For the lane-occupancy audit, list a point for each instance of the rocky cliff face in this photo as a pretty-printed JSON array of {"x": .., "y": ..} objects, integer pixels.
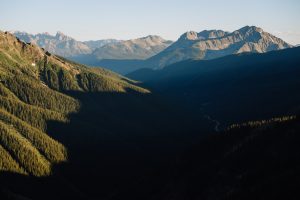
[{"x": 217, "y": 43}]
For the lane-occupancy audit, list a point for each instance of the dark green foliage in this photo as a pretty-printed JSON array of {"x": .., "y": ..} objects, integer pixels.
[
  {"x": 53, "y": 151},
  {"x": 58, "y": 78},
  {"x": 35, "y": 90},
  {"x": 35, "y": 93},
  {"x": 23, "y": 151},
  {"x": 261, "y": 123},
  {"x": 8, "y": 163},
  {"x": 66, "y": 81},
  {"x": 51, "y": 78},
  {"x": 84, "y": 81},
  {"x": 22, "y": 127},
  {"x": 93, "y": 82}
]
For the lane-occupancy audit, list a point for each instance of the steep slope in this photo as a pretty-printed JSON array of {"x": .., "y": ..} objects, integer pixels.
[
  {"x": 233, "y": 88},
  {"x": 31, "y": 94},
  {"x": 216, "y": 43}
]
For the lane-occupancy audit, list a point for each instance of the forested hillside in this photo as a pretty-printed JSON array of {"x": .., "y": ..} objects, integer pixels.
[
  {"x": 77, "y": 126},
  {"x": 33, "y": 91}
]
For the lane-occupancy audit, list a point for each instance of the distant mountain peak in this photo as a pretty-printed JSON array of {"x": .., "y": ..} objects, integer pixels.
[
  {"x": 60, "y": 33},
  {"x": 139, "y": 48},
  {"x": 203, "y": 35},
  {"x": 190, "y": 35},
  {"x": 46, "y": 33},
  {"x": 153, "y": 40},
  {"x": 253, "y": 28},
  {"x": 61, "y": 36},
  {"x": 211, "y": 34},
  {"x": 152, "y": 37},
  {"x": 249, "y": 30}
]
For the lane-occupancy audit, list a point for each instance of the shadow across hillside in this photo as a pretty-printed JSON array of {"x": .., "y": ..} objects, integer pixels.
[
  {"x": 17, "y": 186},
  {"x": 243, "y": 163},
  {"x": 121, "y": 66},
  {"x": 117, "y": 138},
  {"x": 116, "y": 142},
  {"x": 232, "y": 89}
]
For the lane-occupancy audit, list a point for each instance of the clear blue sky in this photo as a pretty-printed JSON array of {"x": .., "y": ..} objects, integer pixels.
[{"x": 126, "y": 19}]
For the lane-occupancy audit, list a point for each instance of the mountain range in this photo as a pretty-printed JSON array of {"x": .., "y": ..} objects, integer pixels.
[
  {"x": 63, "y": 45},
  {"x": 155, "y": 52},
  {"x": 141, "y": 48},
  {"x": 214, "y": 115},
  {"x": 205, "y": 45},
  {"x": 212, "y": 44}
]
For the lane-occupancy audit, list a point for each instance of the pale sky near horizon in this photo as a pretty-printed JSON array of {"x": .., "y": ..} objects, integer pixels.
[{"x": 120, "y": 19}]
